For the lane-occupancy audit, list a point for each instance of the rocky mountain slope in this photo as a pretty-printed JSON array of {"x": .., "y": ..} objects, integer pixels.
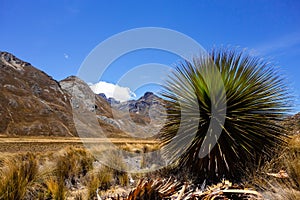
[
  {"x": 143, "y": 110},
  {"x": 143, "y": 117},
  {"x": 32, "y": 103},
  {"x": 91, "y": 113}
]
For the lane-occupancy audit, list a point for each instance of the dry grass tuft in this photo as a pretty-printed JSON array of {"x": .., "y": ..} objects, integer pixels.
[
  {"x": 20, "y": 177},
  {"x": 101, "y": 179},
  {"x": 73, "y": 165},
  {"x": 56, "y": 190},
  {"x": 279, "y": 178}
]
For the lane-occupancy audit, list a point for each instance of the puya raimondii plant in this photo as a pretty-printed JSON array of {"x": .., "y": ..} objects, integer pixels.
[{"x": 223, "y": 113}]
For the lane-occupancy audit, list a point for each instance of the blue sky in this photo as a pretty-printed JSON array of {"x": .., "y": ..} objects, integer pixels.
[{"x": 56, "y": 36}]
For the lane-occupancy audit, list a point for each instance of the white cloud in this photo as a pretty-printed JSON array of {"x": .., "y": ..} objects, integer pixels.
[{"x": 111, "y": 90}]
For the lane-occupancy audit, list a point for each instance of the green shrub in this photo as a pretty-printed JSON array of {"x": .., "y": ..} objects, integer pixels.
[{"x": 228, "y": 92}]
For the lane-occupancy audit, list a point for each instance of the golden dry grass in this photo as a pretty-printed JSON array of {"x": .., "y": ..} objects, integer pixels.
[
  {"x": 45, "y": 144},
  {"x": 70, "y": 172},
  {"x": 280, "y": 178},
  {"x": 65, "y": 170}
]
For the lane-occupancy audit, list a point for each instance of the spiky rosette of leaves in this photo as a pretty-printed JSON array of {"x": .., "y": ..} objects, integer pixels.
[{"x": 223, "y": 114}]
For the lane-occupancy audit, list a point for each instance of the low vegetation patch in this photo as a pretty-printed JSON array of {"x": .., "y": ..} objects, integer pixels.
[{"x": 73, "y": 173}]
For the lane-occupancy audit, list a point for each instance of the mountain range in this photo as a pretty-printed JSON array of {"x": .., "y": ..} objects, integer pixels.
[{"x": 33, "y": 103}]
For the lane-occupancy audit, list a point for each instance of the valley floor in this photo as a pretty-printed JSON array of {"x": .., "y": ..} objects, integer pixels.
[{"x": 44, "y": 144}]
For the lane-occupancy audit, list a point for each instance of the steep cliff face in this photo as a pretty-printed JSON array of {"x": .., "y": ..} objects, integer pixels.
[
  {"x": 31, "y": 102},
  {"x": 93, "y": 115}
]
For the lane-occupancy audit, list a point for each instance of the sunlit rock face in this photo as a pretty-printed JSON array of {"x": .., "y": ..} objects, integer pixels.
[{"x": 31, "y": 102}]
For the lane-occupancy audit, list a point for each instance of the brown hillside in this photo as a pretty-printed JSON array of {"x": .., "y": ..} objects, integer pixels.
[{"x": 31, "y": 102}]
